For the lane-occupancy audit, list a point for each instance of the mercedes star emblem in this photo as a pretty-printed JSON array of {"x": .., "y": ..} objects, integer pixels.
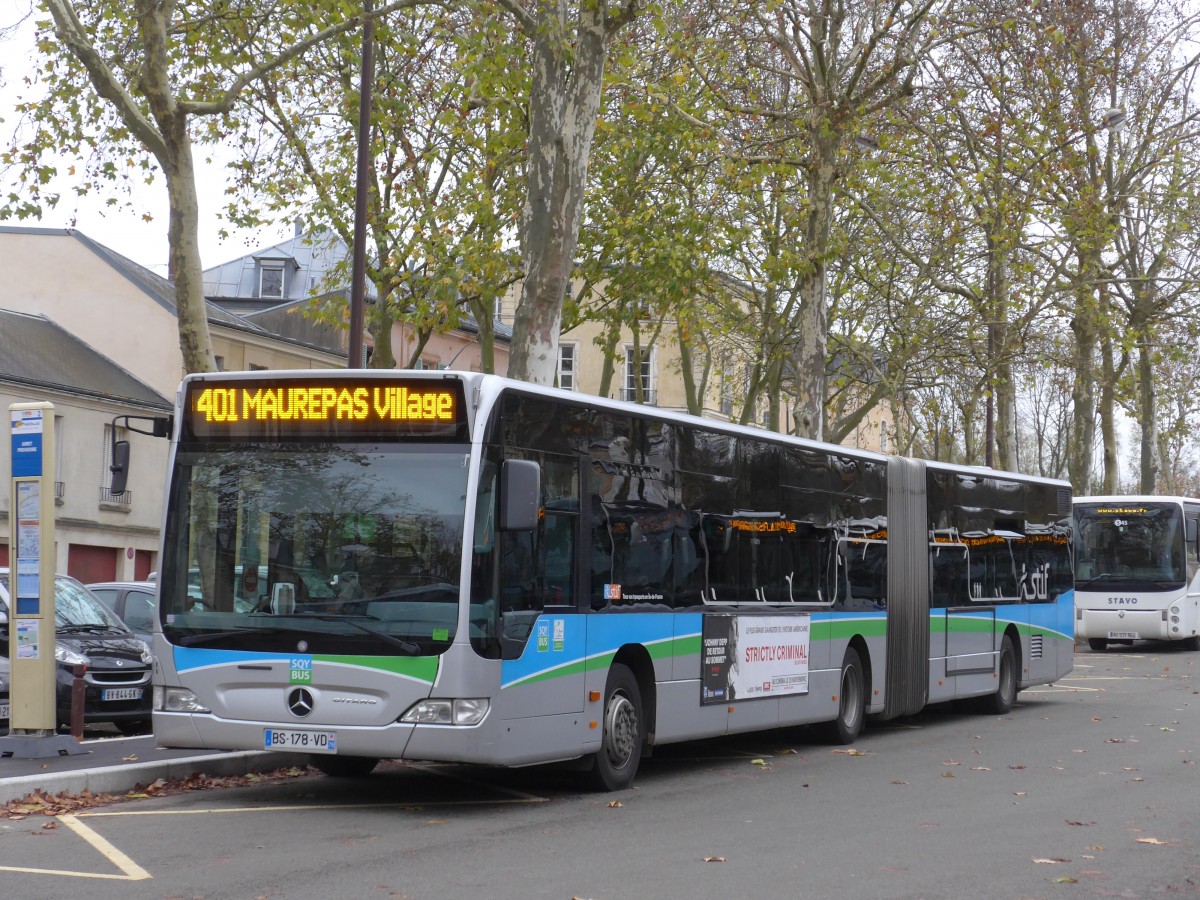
[{"x": 300, "y": 702}]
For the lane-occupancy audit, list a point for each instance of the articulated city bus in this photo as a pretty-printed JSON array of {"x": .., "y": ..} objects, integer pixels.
[
  {"x": 1137, "y": 570},
  {"x": 455, "y": 566}
]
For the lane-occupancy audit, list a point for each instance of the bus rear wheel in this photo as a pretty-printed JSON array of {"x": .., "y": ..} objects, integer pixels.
[
  {"x": 616, "y": 762},
  {"x": 1006, "y": 690},
  {"x": 344, "y": 766},
  {"x": 852, "y": 702},
  {"x": 1098, "y": 644}
]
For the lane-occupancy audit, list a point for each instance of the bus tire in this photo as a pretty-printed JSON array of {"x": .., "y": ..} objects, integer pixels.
[
  {"x": 344, "y": 766},
  {"x": 852, "y": 702},
  {"x": 1099, "y": 645},
  {"x": 616, "y": 762},
  {"x": 1006, "y": 690}
]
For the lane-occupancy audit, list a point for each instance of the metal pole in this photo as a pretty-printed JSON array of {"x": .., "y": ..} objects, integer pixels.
[
  {"x": 358, "y": 280},
  {"x": 78, "y": 700}
]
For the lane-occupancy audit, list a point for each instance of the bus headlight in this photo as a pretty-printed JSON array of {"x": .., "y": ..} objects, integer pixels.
[
  {"x": 173, "y": 699},
  {"x": 460, "y": 711}
]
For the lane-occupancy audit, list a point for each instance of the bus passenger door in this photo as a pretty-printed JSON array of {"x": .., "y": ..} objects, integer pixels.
[
  {"x": 970, "y": 640},
  {"x": 542, "y": 631}
]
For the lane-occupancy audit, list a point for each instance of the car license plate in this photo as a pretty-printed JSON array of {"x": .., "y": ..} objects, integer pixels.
[
  {"x": 122, "y": 694},
  {"x": 1122, "y": 635},
  {"x": 300, "y": 741},
  {"x": 3, "y": 710}
]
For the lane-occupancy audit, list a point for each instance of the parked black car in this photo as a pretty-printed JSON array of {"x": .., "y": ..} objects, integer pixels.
[{"x": 117, "y": 664}]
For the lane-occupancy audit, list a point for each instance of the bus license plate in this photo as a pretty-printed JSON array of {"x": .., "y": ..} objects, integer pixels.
[
  {"x": 122, "y": 694},
  {"x": 1122, "y": 635},
  {"x": 4, "y": 711},
  {"x": 300, "y": 741}
]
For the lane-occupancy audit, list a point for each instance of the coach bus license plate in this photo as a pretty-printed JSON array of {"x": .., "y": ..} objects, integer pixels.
[
  {"x": 3, "y": 710},
  {"x": 1122, "y": 635},
  {"x": 122, "y": 694},
  {"x": 300, "y": 741}
]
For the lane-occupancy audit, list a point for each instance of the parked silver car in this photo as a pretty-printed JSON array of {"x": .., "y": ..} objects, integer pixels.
[{"x": 132, "y": 601}]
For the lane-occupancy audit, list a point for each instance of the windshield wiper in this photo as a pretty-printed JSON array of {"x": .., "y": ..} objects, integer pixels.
[
  {"x": 79, "y": 627},
  {"x": 407, "y": 646},
  {"x": 1103, "y": 576}
]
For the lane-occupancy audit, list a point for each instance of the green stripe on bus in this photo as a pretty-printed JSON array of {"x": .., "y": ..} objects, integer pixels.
[{"x": 419, "y": 668}]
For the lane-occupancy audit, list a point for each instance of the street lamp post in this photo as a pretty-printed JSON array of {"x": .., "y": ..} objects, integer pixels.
[{"x": 358, "y": 272}]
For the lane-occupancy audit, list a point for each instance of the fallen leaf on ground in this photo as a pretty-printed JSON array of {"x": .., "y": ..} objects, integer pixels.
[
  {"x": 1050, "y": 862},
  {"x": 1155, "y": 841},
  {"x": 614, "y": 804},
  {"x": 1085, "y": 824},
  {"x": 714, "y": 859}
]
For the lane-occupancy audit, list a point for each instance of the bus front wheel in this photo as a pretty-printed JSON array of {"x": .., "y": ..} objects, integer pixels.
[
  {"x": 1098, "y": 644},
  {"x": 344, "y": 766},
  {"x": 852, "y": 702},
  {"x": 616, "y": 763},
  {"x": 1006, "y": 690}
]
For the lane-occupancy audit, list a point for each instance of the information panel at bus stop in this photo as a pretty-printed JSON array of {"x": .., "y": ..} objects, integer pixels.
[{"x": 31, "y": 629}]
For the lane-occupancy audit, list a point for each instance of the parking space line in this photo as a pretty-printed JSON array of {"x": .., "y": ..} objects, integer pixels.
[{"x": 130, "y": 870}]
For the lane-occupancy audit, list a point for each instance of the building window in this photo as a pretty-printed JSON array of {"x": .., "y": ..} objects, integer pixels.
[
  {"x": 270, "y": 281},
  {"x": 643, "y": 372},
  {"x": 106, "y": 494},
  {"x": 255, "y": 367},
  {"x": 566, "y": 366},
  {"x": 220, "y": 363}
]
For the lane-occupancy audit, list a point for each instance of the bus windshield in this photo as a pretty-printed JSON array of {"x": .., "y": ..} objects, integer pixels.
[
  {"x": 348, "y": 548},
  {"x": 1129, "y": 543}
]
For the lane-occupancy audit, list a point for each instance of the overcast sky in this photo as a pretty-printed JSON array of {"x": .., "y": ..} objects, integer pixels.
[{"x": 138, "y": 231}]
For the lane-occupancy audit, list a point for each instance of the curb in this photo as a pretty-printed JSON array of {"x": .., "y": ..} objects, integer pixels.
[{"x": 120, "y": 779}]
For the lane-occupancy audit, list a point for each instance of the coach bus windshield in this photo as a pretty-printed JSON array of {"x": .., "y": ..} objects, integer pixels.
[
  {"x": 1135, "y": 542},
  {"x": 341, "y": 548}
]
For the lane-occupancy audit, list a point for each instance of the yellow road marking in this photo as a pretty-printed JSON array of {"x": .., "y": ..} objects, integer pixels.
[{"x": 130, "y": 870}]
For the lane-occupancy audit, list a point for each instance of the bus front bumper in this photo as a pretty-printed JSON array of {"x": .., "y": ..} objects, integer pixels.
[{"x": 1126, "y": 625}]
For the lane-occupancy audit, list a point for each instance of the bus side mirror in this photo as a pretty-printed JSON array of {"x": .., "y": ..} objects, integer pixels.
[
  {"x": 119, "y": 467},
  {"x": 520, "y": 491}
]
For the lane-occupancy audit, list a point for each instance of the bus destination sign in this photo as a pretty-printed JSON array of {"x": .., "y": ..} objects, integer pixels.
[{"x": 322, "y": 409}]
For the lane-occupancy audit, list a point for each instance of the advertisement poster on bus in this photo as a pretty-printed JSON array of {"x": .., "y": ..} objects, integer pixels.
[{"x": 753, "y": 657}]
